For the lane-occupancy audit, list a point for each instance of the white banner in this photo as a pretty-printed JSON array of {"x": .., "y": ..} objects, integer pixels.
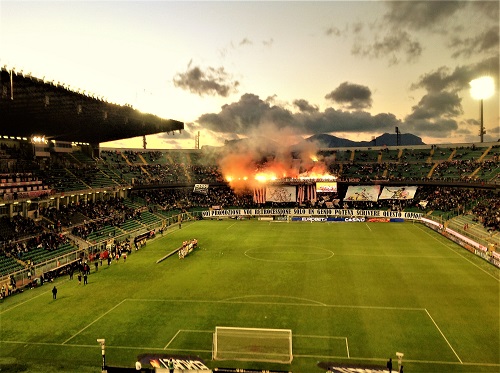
[
  {"x": 201, "y": 188},
  {"x": 406, "y": 192},
  {"x": 362, "y": 193},
  {"x": 312, "y": 212},
  {"x": 281, "y": 194}
]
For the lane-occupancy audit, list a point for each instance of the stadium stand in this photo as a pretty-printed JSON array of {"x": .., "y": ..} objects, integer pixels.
[{"x": 66, "y": 198}]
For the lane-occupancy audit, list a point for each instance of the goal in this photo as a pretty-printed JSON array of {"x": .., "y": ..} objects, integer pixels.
[{"x": 252, "y": 344}]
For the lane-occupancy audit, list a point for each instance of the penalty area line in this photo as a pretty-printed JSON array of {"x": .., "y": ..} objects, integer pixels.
[
  {"x": 187, "y": 331},
  {"x": 436, "y": 325}
]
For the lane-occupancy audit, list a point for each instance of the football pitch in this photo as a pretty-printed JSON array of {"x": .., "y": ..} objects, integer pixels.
[{"x": 353, "y": 293}]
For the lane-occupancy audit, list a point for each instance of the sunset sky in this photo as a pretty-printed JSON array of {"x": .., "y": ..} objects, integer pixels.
[{"x": 234, "y": 69}]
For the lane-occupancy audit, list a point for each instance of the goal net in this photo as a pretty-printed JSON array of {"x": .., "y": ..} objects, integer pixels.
[{"x": 252, "y": 344}]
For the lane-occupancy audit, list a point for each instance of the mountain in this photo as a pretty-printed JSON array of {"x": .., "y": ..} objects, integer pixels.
[{"x": 328, "y": 141}]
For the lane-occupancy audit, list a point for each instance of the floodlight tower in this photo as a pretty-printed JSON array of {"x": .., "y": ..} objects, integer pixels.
[{"x": 480, "y": 89}]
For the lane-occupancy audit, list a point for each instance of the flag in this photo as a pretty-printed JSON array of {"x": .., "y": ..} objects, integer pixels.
[{"x": 259, "y": 195}]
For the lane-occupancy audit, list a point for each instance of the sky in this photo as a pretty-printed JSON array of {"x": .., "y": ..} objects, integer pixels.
[{"x": 280, "y": 70}]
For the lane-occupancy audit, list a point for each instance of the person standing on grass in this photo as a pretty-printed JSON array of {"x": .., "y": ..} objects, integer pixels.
[
  {"x": 54, "y": 292},
  {"x": 79, "y": 278},
  {"x": 170, "y": 365},
  {"x": 85, "y": 276},
  {"x": 389, "y": 365}
]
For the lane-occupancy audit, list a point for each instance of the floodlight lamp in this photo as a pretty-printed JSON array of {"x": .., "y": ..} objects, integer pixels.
[{"x": 482, "y": 88}]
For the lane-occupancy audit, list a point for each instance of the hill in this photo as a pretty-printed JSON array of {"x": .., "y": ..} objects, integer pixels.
[{"x": 330, "y": 141}]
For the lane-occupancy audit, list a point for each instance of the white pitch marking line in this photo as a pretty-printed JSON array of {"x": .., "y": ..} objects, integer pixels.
[
  {"x": 317, "y": 304},
  {"x": 297, "y": 355},
  {"x": 347, "y": 347},
  {"x": 368, "y": 227},
  {"x": 449, "y": 248},
  {"x": 188, "y": 331},
  {"x": 231, "y": 225},
  {"x": 93, "y": 322},
  {"x": 175, "y": 336},
  {"x": 28, "y": 300},
  {"x": 443, "y": 336}
]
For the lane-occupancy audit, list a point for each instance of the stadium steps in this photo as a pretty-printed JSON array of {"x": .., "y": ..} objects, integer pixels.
[
  {"x": 126, "y": 159},
  {"x": 145, "y": 171},
  {"x": 452, "y": 155},
  {"x": 431, "y": 171},
  {"x": 142, "y": 159},
  {"x": 353, "y": 154},
  {"x": 400, "y": 153},
  {"x": 473, "y": 174},
  {"x": 379, "y": 158},
  {"x": 429, "y": 158},
  {"x": 72, "y": 174},
  {"x": 481, "y": 158},
  {"x": 149, "y": 218},
  {"x": 475, "y": 229}
]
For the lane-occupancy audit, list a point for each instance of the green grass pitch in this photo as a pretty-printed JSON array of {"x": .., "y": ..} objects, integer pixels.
[{"x": 350, "y": 293}]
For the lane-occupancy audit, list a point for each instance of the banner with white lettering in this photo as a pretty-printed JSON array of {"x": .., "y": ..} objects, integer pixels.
[
  {"x": 312, "y": 212},
  {"x": 362, "y": 193},
  {"x": 406, "y": 192}
]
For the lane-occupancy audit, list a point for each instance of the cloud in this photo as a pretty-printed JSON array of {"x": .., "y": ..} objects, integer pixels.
[
  {"x": 437, "y": 105},
  {"x": 338, "y": 121},
  {"x": 351, "y": 96},
  {"x": 486, "y": 42},
  {"x": 243, "y": 116},
  {"x": 305, "y": 106},
  {"x": 252, "y": 115},
  {"x": 490, "y": 9},
  {"x": 245, "y": 41},
  {"x": 458, "y": 79},
  {"x": 333, "y": 31},
  {"x": 395, "y": 45},
  {"x": 434, "y": 115},
  {"x": 419, "y": 15},
  {"x": 269, "y": 42},
  {"x": 435, "y": 127},
  {"x": 212, "y": 81}
]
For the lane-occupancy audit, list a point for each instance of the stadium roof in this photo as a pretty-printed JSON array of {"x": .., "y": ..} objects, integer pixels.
[{"x": 30, "y": 106}]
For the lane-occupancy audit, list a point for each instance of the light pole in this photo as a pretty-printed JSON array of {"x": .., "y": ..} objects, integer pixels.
[{"x": 480, "y": 89}]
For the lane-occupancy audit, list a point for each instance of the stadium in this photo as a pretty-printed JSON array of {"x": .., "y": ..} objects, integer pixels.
[{"x": 339, "y": 259}]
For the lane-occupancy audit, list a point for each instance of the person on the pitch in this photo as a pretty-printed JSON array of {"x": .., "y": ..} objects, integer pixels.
[{"x": 54, "y": 292}]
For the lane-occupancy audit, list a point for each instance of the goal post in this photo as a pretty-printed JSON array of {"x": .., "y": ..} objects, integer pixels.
[{"x": 252, "y": 344}]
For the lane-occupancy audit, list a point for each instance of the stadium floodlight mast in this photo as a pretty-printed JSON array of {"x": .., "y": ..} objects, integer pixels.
[{"x": 480, "y": 89}]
